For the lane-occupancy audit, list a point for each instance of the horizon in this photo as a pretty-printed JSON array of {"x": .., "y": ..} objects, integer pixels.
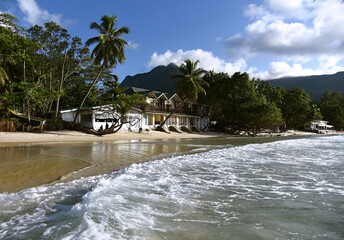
[{"x": 268, "y": 39}]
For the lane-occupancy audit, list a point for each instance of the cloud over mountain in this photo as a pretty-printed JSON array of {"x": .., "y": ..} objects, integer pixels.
[
  {"x": 290, "y": 31},
  {"x": 207, "y": 60}
]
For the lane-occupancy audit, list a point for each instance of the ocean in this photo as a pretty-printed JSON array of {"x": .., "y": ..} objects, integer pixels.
[{"x": 288, "y": 189}]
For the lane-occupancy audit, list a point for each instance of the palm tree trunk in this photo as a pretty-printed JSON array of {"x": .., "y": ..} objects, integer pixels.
[
  {"x": 60, "y": 87},
  {"x": 174, "y": 110},
  {"x": 88, "y": 92}
]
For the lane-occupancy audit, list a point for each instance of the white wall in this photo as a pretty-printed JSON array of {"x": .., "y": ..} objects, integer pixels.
[{"x": 68, "y": 116}]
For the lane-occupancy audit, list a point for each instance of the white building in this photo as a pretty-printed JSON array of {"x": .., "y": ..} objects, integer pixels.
[
  {"x": 320, "y": 126},
  {"x": 160, "y": 106},
  {"x": 103, "y": 117}
]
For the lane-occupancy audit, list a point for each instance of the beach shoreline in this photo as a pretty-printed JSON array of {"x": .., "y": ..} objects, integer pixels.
[
  {"x": 12, "y": 139},
  {"x": 38, "y": 159}
]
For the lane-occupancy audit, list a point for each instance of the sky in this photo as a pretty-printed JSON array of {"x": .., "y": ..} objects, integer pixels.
[{"x": 266, "y": 38}]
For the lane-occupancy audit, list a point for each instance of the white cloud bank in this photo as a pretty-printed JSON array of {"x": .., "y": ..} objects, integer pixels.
[
  {"x": 207, "y": 60},
  {"x": 293, "y": 31},
  {"x": 36, "y": 15}
]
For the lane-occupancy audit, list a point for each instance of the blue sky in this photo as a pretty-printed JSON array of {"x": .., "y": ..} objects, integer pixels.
[{"x": 266, "y": 38}]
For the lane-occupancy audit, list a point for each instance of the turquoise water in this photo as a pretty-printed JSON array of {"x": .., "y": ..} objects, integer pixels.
[{"x": 290, "y": 189}]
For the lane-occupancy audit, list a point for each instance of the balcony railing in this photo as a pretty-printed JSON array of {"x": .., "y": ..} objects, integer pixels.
[
  {"x": 195, "y": 111},
  {"x": 169, "y": 109}
]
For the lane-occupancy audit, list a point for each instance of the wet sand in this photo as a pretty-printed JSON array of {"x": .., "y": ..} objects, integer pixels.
[
  {"x": 20, "y": 138},
  {"x": 34, "y": 159}
]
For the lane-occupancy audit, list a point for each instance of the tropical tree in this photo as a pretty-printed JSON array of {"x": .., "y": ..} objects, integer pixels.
[
  {"x": 109, "y": 50},
  {"x": 332, "y": 108},
  {"x": 3, "y": 76},
  {"x": 190, "y": 85},
  {"x": 297, "y": 108}
]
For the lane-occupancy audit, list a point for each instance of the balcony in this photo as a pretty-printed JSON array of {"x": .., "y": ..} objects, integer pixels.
[{"x": 169, "y": 109}]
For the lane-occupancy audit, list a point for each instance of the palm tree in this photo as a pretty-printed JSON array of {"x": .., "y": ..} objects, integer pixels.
[
  {"x": 3, "y": 76},
  {"x": 109, "y": 50},
  {"x": 190, "y": 85}
]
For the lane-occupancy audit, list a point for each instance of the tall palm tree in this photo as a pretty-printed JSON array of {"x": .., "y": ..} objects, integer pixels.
[
  {"x": 190, "y": 85},
  {"x": 109, "y": 50},
  {"x": 3, "y": 76}
]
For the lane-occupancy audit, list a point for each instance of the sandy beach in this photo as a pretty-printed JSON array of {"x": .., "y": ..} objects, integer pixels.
[
  {"x": 34, "y": 159},
  {"x": 20, "y": 138}
]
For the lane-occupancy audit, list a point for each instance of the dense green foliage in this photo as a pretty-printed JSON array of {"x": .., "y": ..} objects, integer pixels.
[
  {"x": 332, "y": 108},
  {"x": 238, "y": 102},
  {"x": 44, "y": 68}
]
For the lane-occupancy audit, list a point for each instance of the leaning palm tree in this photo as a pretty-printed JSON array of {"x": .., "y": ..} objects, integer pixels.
[
  {"x": 3, "y": 76},
  {"x": 109, "y": 50},
  {"x": 190, "y": 85}
]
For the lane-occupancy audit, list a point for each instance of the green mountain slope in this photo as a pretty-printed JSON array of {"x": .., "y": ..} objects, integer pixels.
[
  {"x": 313, "y": 85},
  {"x": 158, "y": 79}
]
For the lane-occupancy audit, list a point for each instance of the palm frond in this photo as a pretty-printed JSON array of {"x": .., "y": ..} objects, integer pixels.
[
  {"x": 110, "y": 47},
  {"x": 92, "y": 41},
  {"x": 191, "y": 82}
]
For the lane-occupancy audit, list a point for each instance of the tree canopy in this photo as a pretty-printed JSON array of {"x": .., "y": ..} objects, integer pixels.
[{"x": 109, "y": 49}]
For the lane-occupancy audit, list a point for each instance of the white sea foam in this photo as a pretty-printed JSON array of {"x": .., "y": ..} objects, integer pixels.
[{"x": 284, "y": 189}]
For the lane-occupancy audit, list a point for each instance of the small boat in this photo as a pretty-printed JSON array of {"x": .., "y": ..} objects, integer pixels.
[{"x": 36, "y": 121}]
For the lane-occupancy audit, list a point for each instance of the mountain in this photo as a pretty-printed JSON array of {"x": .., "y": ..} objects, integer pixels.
[
  {"x": 159, "y": 79},
  {"x": 313, "y": 85}
]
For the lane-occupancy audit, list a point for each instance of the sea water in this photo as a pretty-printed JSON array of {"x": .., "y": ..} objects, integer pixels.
[{"x": 290, "y": 189}]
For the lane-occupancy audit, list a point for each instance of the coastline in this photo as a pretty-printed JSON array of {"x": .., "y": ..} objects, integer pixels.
[
  {"x": 38, "y": 159},
  {"x": 10, "y": 139}
]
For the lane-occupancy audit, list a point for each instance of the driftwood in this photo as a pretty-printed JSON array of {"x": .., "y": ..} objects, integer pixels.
[
  {"x": 39, "y": 127},
  {"x": 113, "y": 129}
]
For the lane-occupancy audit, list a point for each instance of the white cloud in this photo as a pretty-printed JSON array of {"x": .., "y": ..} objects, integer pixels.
[
  {"x": 133, "y": 45},
  {"x": 207, "y": 60},
  {"x": 36, "y": 15},
  {"x": 284, "y": 69},
  {"x": 293, "y": 33}
]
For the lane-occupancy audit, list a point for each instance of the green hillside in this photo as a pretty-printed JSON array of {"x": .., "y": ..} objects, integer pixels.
[
  {"x": 313, "y": 85},
  {"x": 158, "y": 79}
]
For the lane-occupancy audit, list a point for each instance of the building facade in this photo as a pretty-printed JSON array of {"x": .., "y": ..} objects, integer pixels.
[
  {"x": 320, "y": 126},
  {"x": 159, "y": 107}
]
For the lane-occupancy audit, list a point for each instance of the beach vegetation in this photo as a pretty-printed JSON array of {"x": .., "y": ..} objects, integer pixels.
[
  {"x": 331, "y": 106},
  {"x": 297, "y": 108},
  {"x": 239, "y": 104},
  {"x": 109, "y": 50}
]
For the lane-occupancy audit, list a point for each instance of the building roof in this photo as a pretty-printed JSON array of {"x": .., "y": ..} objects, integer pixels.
[
  {"x": 93, "y": 108},
  {"x": 152, "y": 93}
]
